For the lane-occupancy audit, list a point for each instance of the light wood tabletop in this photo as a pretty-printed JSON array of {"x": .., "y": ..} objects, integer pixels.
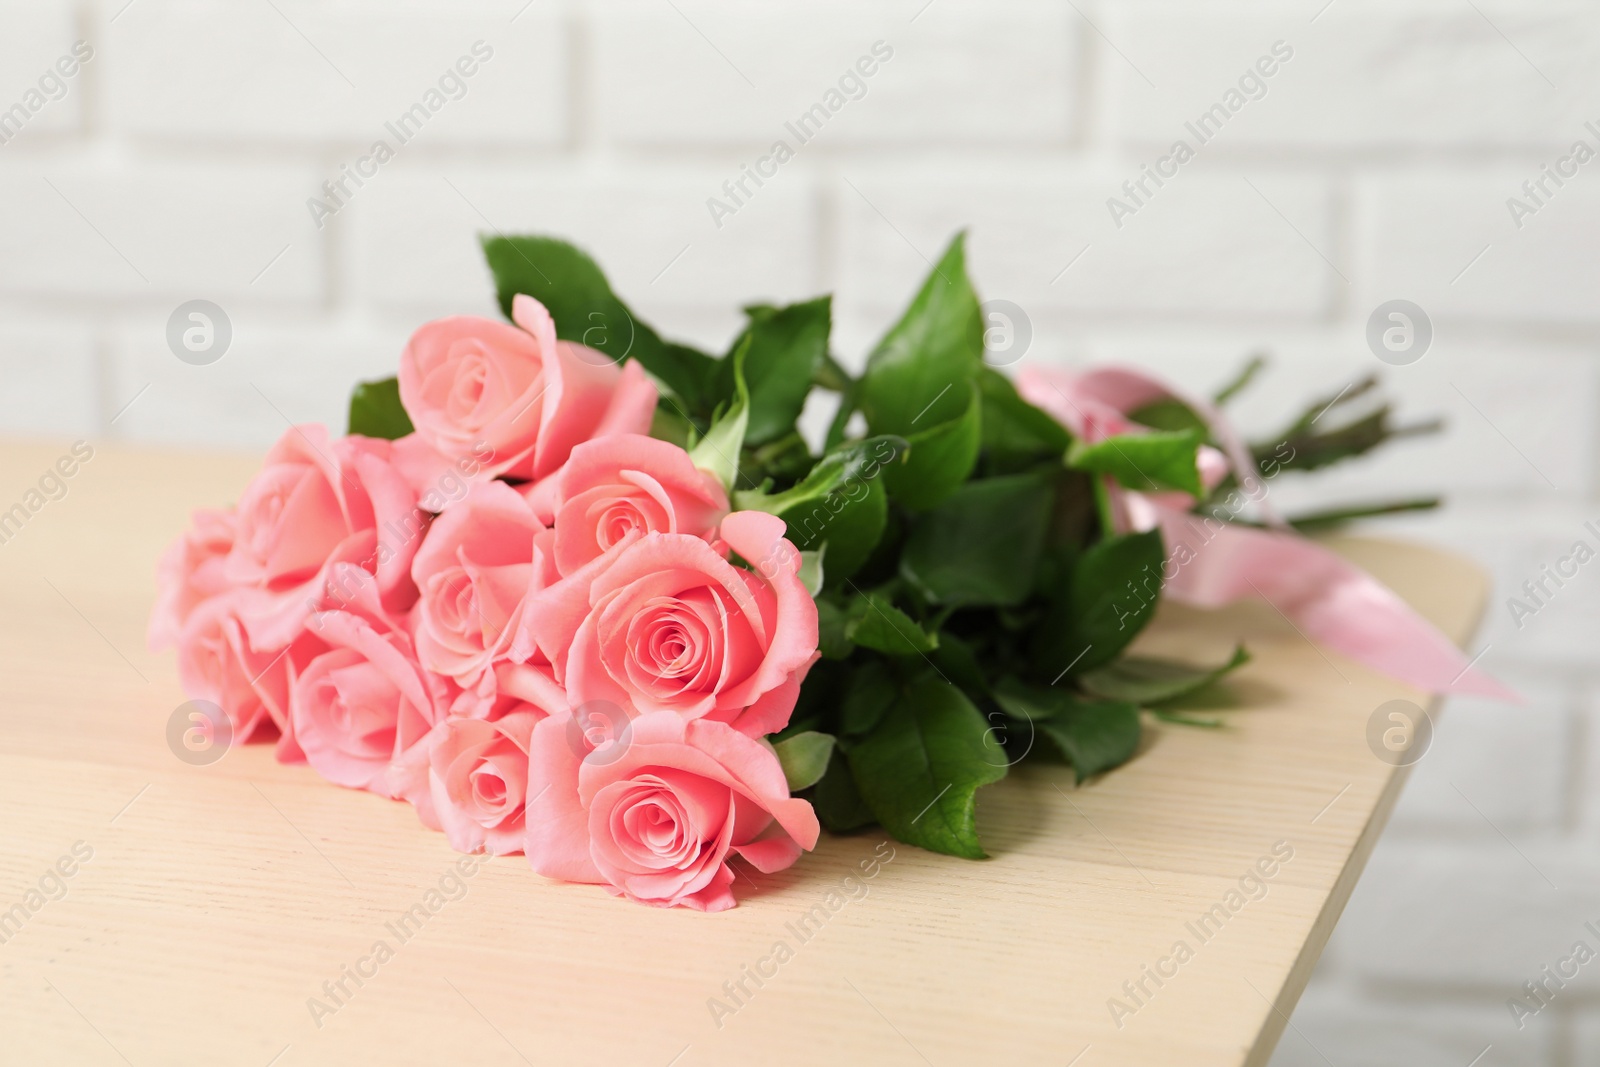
[{"x": 210, "y": 910}]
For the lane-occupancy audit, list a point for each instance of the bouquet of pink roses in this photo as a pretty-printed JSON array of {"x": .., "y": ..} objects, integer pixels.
[{"x": 575, "y": 591}]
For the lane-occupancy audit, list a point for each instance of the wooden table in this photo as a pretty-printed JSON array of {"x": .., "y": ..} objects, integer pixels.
[{"x": 219, "y": 899}]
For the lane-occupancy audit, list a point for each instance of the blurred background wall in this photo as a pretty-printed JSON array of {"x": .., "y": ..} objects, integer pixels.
[{"x": 1376, "y": 161}]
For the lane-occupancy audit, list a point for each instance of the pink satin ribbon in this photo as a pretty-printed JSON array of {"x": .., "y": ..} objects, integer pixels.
[{"x": 1211, "y": 563}]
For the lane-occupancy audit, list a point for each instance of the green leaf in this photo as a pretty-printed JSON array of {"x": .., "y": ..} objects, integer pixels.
[
  {"x": 837, "y": 801},
  {"x": 811, "y": 571},
  {"x": 1014, "y": 431},
  {"x": 817, "y": 707},
  {"x": 919, "y": 384},
  {"x": 1170, "y": 414},
  {"x": 785, "y": 460},
  {"x": 1333, "y": 518},
  {"x": 1094, "y": 735},
  {"x": 718, "y": 452},
  {"x": 575, "y": 291},
  {"x": 955, "y": 659},
  {"x": 376, "y": 411},
  {"x": 841, "y": 503},
  {"x": 1305, "y": 445},
  {"x": 1034, "y": 703},
  {"x": 804, "y": 758},
  {"x": 920, "y": 768},
  {"x": 1241, "y": 381},
  {"x": 941, "y": 456},
  {"x": 1185, "y": 720},
  {"x": 1110, "y": 596},
  {"x": 668, "y": 424},
  {"x": 831, "y": 376},
  {"x": 1145, "y": 461},
  {"x": 877, "y": 624},
  {"x": 850, "y": 534},
  {"x": 981, "y": 545},
  {"x": 787, "y": 346},
  {"x": 831, "y": 623},
  {"x": 842, "y": 416},
  {"x": 1115, "y": 588},
  {"x": 1150, "y": 681},
  {"x": 678, "y": 368},
  {"x": 937, "y": 344},
  {"x": 870, "y": 691}
]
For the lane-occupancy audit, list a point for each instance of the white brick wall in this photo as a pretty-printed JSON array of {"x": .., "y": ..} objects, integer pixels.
[
  {"x": 416, "y": 235},
  {"x": 36, "y": 36},
  {"x": 130, "y": 232},
  {"x": 310, "y": 73},
  {"x": 1375, "y": 163},
  {"x": 710, "y": 74},
  {"x": 1423, "y": 229},
  {"x": 1368, "y": 77},
  {"x": 49, "y": 372},
  {"x": 1206, "y": 246}
]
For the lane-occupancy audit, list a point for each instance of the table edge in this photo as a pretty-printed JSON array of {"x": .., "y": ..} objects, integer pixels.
[{"x": 1299, "y": 975}]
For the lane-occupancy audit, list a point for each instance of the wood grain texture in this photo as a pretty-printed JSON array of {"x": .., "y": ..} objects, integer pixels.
[{"x": 220, "y": 898}]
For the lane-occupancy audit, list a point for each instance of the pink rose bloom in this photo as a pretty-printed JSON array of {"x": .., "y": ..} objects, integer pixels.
[
  {"x": 190, "y": 572},
  {"x": 316, "y": 503},
  {"x": 478, "y": 780},
  {"x": 616, "y": 487},
  {"x": 360, "y": 708},
  {"x": 472, "y": 384},
  {"x": 669, "y": 624},
  {"x": 656, "y": 816},
  {"x": 475, "y": 570},
  {"x": 216, "y": 663},
  {"x": 533, "y": 682}
]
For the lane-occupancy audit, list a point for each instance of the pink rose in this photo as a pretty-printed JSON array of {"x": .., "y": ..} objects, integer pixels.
[
  {"x": 190, "y": 572},
  {"x": 216, "y": 663},
  {"x": 317, "y": 503},
  {"x": 533, "y": 682},
  {"x": 360, "y": 708},
  {"x": 616, "y": 487},
  {"x": 478, "y": 780},
  {"x": 669, "y": 624},
  {"x": 475, "y": 570},
  {"x": 656, "y": 815},
  {"x": 472, "y": 384}
]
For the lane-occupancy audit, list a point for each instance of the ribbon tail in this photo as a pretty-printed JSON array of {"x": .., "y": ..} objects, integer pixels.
[{"x": 1331, "y": 601}]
